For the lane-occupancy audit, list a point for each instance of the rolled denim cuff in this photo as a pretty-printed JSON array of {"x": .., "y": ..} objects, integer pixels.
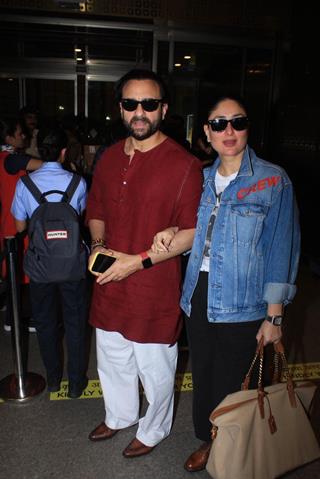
[{"x": 279, "y": 293}]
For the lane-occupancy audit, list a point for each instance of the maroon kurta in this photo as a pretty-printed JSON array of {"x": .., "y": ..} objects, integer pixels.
[{"x": 159, "y": 188}]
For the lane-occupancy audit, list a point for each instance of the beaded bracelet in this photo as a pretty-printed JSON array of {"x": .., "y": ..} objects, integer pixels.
[
  {"x": 98, "y": 242},
  {"x": 98, "y": 245}
]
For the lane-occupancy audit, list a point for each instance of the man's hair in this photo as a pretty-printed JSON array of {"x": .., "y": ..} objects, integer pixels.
[
  {"x": 137, "y": 74},
  {"x": 8, "y": 127},
  {"x": 50, "y": 143}
]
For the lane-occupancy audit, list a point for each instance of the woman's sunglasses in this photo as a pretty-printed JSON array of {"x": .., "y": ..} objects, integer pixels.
[
  {"x": 148, "y": 104},
  {"x": 220, "y": 124}
]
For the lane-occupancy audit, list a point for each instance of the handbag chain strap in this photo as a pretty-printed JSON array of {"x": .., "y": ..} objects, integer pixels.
[
  {"x": 279, "y": 354},
  {"x": 258, "y": 354}
]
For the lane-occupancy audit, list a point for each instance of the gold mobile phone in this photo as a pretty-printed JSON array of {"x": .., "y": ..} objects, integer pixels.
[{"x": 101, "y": 262}]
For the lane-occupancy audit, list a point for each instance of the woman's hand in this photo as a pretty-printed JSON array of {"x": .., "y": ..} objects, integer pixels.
[
  {"x": 270, "y": 333},
  {"x": 162, "y": 242}
]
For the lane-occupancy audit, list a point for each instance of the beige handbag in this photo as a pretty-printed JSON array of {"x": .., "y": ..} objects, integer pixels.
[{"x": 263, "y": 433}]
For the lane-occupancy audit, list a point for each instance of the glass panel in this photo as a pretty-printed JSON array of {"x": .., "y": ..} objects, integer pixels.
[
  {"x": 163, "y": 58},
  {"x": 9, "y": 97},
  {"x": 48, "y": 49},
  {"x": 182, "y": 104},
  {"x": 257, "y": 87},
  {"x": 218, "y": 64},
  {"x": 119, "y": 45},
  {"x": 53, "y": 98},
  {"x": 103, "y": 113}
]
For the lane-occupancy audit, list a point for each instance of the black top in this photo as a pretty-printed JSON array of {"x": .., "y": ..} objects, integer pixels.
[{"x": 15, "y": 162}]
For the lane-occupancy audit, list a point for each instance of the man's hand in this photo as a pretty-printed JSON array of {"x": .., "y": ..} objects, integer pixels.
[
  {"x": 98, "y": 249},
  {"x": 124, "y": 266},
  {"x": 270, "y": 333}
]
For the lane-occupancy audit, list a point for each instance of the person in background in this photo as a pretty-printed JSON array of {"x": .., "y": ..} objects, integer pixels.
[
  {"x": 29, "y": 122},
  {"x": 242, "y": 268},
  {"x": 174, "y": 127},
  {"x": 12, "y": 166},
  {"x": 140, "y": 184},
  {"x": 204, "y": 151},
  {"x": 73, "y": 158},
  {"x": 45, "y": 296}
]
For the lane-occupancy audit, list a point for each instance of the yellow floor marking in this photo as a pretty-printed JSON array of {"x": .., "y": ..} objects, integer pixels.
[
  {"x": 183, "y": 382},
  {"x": 303, "y": 371}
]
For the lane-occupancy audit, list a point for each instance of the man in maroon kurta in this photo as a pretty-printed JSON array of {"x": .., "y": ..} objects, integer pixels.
[{"x": 141, "y": 186}]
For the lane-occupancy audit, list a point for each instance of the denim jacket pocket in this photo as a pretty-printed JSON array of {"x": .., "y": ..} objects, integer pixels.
[{"x": 247, "y": 222}]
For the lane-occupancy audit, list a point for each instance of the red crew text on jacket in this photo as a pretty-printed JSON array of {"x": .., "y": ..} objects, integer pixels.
[{"x": 259, "y": 186}]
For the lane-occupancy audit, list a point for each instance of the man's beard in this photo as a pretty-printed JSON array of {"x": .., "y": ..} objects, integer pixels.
[{"x": 152, "y": 127}]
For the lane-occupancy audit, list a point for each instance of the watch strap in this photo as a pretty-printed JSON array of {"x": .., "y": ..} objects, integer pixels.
[
  {"x": 275, "y": 319},
  {"x": 146, "y": 260}
]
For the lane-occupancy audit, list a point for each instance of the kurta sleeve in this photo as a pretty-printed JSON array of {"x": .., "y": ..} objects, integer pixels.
[
  {"x": 188, "y": 197},
  {"x": 95, "y": 207}
]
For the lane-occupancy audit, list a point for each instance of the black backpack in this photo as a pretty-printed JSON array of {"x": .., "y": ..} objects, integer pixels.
[{"x": 56, "y": 251}]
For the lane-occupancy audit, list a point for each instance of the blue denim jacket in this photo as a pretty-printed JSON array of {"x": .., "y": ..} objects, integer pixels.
[{"x": 255, "y": 243}]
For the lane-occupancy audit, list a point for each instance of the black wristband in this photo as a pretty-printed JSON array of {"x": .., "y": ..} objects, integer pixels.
[{"x": 147, "y": 263}]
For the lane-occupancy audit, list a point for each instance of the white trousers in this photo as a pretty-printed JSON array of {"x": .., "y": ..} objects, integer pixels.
[{"x": 120, "y": 365}]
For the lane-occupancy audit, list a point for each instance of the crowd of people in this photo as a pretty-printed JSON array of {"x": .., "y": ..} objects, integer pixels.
[{"x": 151, "y": 200}]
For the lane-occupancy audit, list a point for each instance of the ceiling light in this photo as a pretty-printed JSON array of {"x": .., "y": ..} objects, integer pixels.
[
  {"x": 78, "y": 50},
  {"x": 187, "y": 57},
  {"x": 177, "y": 64},
  {"x": 79, "y": 59}
]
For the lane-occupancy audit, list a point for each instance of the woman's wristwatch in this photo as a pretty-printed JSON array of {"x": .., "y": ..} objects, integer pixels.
[{"x": 276, "y": 319}]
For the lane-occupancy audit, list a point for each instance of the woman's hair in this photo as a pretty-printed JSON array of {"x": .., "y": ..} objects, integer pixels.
[
  {"x": 8, "y": 127},
  {"x": 220, "y": 98}
]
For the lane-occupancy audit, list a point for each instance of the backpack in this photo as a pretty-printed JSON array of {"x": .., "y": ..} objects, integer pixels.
[{"x": 56, "y": 251}]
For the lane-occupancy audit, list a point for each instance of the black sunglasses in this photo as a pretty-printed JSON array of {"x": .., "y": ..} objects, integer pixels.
[
  {"x": 148, "y": 104},
  {"x": 220, "y": 124}
]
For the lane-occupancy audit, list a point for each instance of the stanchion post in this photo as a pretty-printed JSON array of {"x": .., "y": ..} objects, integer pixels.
[
  {"x": 21, "y": 385},
  {"x": 14, "y": 291}
]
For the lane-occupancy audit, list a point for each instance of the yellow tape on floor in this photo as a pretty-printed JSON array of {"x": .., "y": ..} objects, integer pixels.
[
  {"x": 93, "y": 390},
  {"x": 183, "y": 382},
  {"x": 305, "y": 371}
]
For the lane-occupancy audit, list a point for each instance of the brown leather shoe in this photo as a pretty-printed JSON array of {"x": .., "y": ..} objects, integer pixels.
[
  {"x": 136, "y": 448},
  {"x": 102, "y": 432},
  {"x": 197, "y": 461}
]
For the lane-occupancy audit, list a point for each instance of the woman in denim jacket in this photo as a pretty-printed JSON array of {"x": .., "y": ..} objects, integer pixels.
[{"x": 242, "y": 266}]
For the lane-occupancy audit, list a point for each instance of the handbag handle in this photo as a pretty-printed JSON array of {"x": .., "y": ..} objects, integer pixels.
[
  {"x": 262, "y": 394},
  {"x": 258, "y": 354},
  {"x": 279, "y": 354}
]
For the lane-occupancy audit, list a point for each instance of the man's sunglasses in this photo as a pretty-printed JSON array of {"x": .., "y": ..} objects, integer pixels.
[
  {"x": 220, "y": 124},
  {"x": 148, "y": 104}
]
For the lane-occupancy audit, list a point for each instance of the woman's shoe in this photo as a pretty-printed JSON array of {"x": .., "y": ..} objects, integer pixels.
[{"x": 197, "y": 461}]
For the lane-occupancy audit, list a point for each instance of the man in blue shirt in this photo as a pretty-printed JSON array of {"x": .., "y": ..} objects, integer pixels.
[{"x": 51, "y": 176}]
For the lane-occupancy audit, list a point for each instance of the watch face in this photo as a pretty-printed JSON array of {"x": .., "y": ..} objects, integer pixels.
[{"x": 277, "y": 320}]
